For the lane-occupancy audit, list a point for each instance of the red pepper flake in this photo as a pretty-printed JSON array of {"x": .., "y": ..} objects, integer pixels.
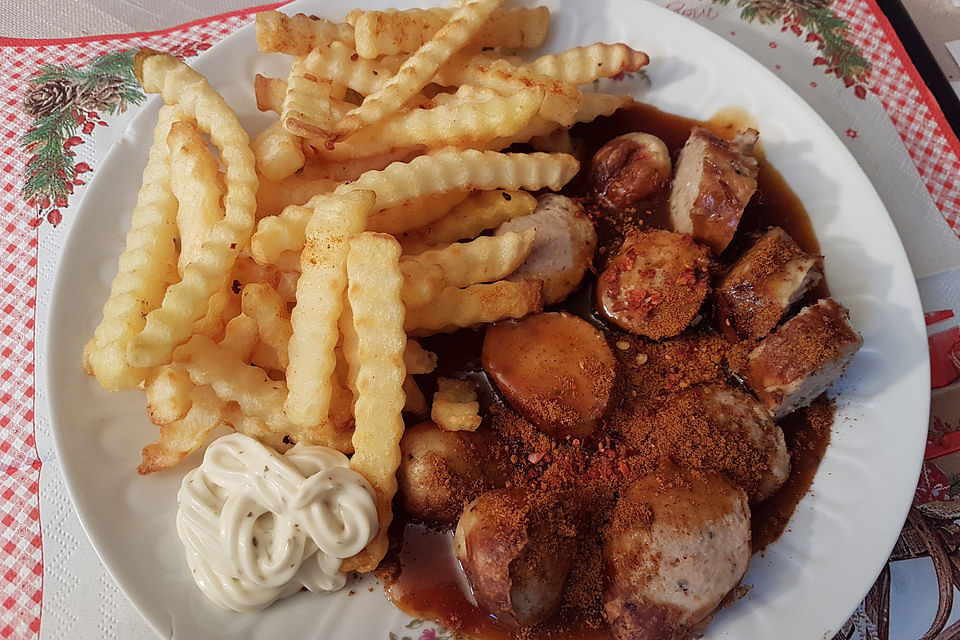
[{"x": 688, "y": 278}]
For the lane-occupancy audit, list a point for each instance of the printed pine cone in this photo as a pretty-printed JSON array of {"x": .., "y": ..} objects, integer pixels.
[
  {"x": 778, "y": 8},
  {"x": 53, "y": 95},
  {"x": 101, "y": 96}
]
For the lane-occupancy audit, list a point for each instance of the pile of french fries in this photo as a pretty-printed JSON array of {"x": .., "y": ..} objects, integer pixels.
[{"x": 271, "y": 286}]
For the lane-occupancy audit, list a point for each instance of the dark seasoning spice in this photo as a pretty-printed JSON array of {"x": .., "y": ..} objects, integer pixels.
[{"x": 421, "y": 572}]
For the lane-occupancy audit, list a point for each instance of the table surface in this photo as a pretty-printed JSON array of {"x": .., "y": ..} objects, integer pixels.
[
  {"x": 937, "y": 20},
  {"x": 77, "y": 593},
  {"x": 69, "y": 18}
]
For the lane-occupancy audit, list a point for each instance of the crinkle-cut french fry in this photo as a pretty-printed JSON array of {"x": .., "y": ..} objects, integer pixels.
[
  {"x": 479, "y": 304},
  {"x": 561, "y": 100},
  {"x": 455, "y": 406},
  {"x": 187, "y": 300},
  {"x": 459, "y": 124},
  {"x": 445, "y": 170},
  {"x": 347, "y": 170},
  {"x": 417, "y": 71},
  {"x": 462, "y": 264},
  {"x": 146, "y": 266},
  {"x": 373, "y": 289},
  {"x": 288, "y": 286},
  {"x": 557, "y": 141},
  {"x": 486, "y": 259},
  {"x": 193, "y": 181},
  {"x": 223, "y": 306},
  {"x": 464, "y": 94},
  {"x": 247, "y": 271},
  {"x": 418, "y": 360},
  {"x": 240, "y": 337},
  {"x": 389, "y": 32},
  {"x": 273, "y": 197},
  {"x": 595, "y": 105},
  {"x": 320, "y": 291},
  {"x": 262, "y": 303},
  {"x": 581, "y": 65},
  {"x": 537, "y": 127},
  {"x": 234, "y": 380},
  {"x": 271, "y": 92},
  {"x": 341, "y": 407},
  {"x": 240, "y": 421},
  {"x": 288, "y": 261},
  {"x": 265, "y": 357},
  {"x": 308, "y": 103},
  {"x": 415, "y": 213},
  {"x": 421, "y": 283},
  {"x": 450, "y": 169},
  {"x": 168, "y": 394},
  {"x": 180, "y": 437},
  {"x": 340, "y": 63},
  {"x": 592, "y": 107},
  {"x": 298, "y": 34},
  {"x": 278, "y": 152},
  {"x": 414, "y": 401},
  {"x": 278, "y": 234},
  {"x": 481, "y": 211}
]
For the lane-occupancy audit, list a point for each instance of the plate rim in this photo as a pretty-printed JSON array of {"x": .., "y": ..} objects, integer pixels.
[{"x": 69, "y": 472}]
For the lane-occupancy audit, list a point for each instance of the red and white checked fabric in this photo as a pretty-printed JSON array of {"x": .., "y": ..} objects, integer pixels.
[
  {"x": 912, "y": 109},
  {"x": 928, "y": 138},
  {"x": 21, "y": 548}
]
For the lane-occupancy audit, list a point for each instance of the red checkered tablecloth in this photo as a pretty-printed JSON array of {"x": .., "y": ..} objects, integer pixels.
[{"x": 844, "y": 58}]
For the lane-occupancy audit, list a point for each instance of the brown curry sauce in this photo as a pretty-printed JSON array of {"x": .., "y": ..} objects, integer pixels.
[{"x": 421, "y": 573}]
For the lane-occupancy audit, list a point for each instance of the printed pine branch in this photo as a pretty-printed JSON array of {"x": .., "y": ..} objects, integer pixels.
[
  {"x": 61, "y": 100},
  {"x": 831, "y": 33},
  {"x": 51, "y": 165}
]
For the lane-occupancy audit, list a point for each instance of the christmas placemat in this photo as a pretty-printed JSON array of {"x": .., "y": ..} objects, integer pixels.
[{"x": 66, "y": 102}]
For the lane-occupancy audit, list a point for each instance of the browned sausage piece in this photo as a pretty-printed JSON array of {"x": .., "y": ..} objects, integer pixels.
[
  {"x": 440, "y": 471},
  {"x": 655, "y": 284},
  {"x": 555, "y": 369},
  {"x": 712, "y": 184},
  {"x": 629, "y": 168},
  {"x": 747, "y": 446},
  {"x": 516, "y": 548},
  {"x": 759, "y": 288},
  {"x": 802, "y": 358},
  {"x": 679, "y": 542},
  {"x": 563, "y": 246}
]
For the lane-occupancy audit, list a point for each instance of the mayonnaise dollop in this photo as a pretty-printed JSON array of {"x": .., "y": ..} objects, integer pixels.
[{"x": 258, "y": 525}]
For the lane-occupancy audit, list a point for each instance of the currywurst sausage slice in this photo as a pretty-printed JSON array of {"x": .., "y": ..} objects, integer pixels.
[
  {"x": 563, "y": 246},
  {"x": 713, "y": 183},
  {"x": 555, "y": 369},
  {"x": 678, "y": 543}
]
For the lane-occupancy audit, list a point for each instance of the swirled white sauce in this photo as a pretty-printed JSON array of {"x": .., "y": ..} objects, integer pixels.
[{"x": 258, "y": 525}]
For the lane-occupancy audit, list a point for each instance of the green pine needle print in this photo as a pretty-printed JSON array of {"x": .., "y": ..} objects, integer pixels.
[
  {"x": 831, "y": 33},
  {"x": 66, "y": 103}
]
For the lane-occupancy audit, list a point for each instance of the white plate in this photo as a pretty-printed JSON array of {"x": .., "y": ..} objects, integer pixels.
[{"x": 805, "y": 585}]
